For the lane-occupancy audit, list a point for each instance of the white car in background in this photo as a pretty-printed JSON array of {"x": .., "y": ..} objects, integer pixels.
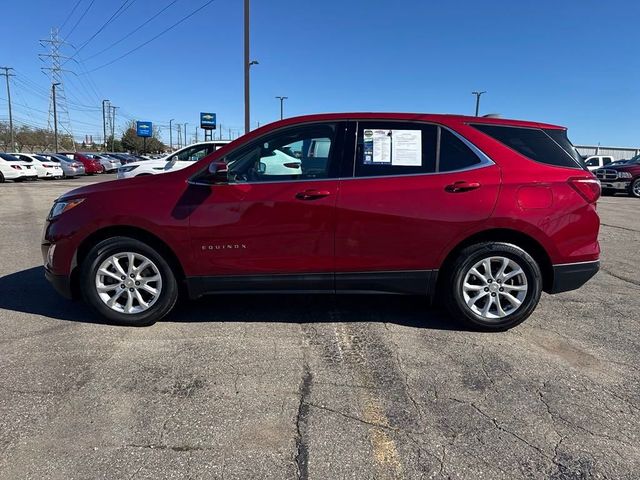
[
  {"x": 44, "y": 168},
  {"x": 12, "y": 168},
  {"x": 174, "y": 161}
]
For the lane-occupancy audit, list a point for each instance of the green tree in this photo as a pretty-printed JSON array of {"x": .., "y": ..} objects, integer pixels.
[{"x": 131, "y": 142}]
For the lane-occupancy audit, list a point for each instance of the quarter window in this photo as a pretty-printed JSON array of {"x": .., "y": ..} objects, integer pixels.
[{"x": 194, "y": 154}]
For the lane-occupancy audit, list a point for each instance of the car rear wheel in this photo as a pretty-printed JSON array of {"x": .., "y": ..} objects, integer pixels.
[
  {"x": 634, "y": 188},
  {"x": 128, "y": 282},
  {"x": 493, "y": 286},
  {"x": 1, "y": 178}
]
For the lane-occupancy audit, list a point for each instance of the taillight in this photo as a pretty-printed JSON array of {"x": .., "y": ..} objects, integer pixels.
[
  {"x": 588, "y": 188},
  {"x": 17, "y": 167},
  {"x": 48, "y": 166},
  {"x": 292, "y": 165}
]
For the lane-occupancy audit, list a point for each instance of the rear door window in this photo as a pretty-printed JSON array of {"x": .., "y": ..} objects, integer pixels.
[
  {"x": 454, "y": 154},
  {"x": 548, "y": 146}
]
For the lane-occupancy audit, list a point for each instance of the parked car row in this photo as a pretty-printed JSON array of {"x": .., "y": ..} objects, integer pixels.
[{"x": 30, "y": 166}]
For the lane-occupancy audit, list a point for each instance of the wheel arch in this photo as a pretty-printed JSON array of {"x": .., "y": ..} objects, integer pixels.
[
  {"x": 522, "y": 240},
  {"x": 135, "y": 233}
]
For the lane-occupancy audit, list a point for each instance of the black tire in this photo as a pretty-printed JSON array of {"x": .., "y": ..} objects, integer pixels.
[
  {"x": 634, "y": 188},
  {"x": 455, "y": 275},
  {"x": 607, "y": 192},
  {"x": 99, "y": 253},
  {"x": 1, "y": 178}
]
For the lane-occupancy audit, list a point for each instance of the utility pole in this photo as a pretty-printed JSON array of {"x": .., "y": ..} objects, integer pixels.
[
  {"x": 185, "y": 133},
  {"x": 171, "y": 135},
  {"x": 6, "y": 76},
  {"x": 282, "y": 99},
  {"x": 196, "y": 134},
  {"x": 113, "y": 127},
  {"x": 104, "y": 122},
  {"x": 478, "y": 95},
  {"x": 247, "y": 69},
  {"x": 179, "y": 135},
  {"x": 55, "y": 115}
]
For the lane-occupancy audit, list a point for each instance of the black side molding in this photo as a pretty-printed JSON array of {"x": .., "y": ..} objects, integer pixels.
[
  {"x": 415, "y": 282},
  {"x": 572, "y": 275}
]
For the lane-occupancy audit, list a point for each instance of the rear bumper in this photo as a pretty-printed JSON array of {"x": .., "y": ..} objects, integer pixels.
[
  {"x": 571, "y": 276},
  {"x": 61, "y": 283}
]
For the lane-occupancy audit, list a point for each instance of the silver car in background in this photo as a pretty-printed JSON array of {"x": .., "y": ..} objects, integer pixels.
[
  {"x": 70, "y": 168},
  {"x": 110, "y": 164}
]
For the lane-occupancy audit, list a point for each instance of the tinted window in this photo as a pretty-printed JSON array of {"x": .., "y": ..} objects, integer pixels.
[
  {"x": 293, "y": 154},
  {"x": 395, "y": 148},
  {"x": 9, "y": 158},
  {"x": 536, "y": 144},
  {"x": 454, "y": 154},
  {"x": 592, "y": 163},
  {"x": 560, "y": 137}
]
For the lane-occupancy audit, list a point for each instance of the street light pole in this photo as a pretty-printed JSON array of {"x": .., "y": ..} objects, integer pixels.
[
  {"x": 477, "y": 94},
  {"x": 282, "y": 99},
  {"x": 171, "y": 135},
  {"x": 55, "y": 115},
  {"x": 185, "y": 134}
]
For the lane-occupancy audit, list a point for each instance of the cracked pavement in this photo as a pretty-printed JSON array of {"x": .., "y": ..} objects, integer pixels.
[{"x": 316, "y": 387}]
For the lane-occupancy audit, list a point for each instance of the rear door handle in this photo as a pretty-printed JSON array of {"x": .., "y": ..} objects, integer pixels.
[
  {"x": 459, "y": 187},
  {"x": 312, "y": 194}
]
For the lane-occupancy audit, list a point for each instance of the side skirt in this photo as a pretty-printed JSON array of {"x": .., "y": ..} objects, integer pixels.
[{"x": 414, "y": 282}]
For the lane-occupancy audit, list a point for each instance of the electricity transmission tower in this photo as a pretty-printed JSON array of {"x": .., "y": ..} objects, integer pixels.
[{"x": 55, "y": 72}]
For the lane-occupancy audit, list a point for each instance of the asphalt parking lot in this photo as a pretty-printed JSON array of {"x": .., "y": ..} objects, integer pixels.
[{"x": 316, "y": 387}]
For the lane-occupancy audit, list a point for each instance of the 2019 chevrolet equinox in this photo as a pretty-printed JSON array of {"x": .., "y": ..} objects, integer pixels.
[{"x": 486, "y": 212}]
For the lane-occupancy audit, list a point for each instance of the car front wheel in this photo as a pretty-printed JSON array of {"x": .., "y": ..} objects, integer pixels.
[
  {"x": 128, "y": 282},
  {"x": 493, "y": 286}
]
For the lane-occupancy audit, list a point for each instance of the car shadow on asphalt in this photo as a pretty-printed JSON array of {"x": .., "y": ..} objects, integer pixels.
[{"x": 28, "y": 291}]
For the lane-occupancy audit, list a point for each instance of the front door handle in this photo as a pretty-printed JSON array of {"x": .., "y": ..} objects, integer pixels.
[
  {"x": 458, "y": 187},
  {"x": 312, "y": 194}
]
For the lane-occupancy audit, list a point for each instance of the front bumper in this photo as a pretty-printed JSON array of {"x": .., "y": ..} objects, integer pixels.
[
  {"x": 620, "y": 185},
  {"x": 571, "y": 276}
]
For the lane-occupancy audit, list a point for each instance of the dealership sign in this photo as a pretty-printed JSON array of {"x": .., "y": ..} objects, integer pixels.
[
  {"x": 207, "y": 121},
  {"x": 144, "y": 129}
]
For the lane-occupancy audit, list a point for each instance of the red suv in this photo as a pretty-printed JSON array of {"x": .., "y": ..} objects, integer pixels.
[
  {"x": 91, "y": 165},
  {"x": 485, "y": 213}
]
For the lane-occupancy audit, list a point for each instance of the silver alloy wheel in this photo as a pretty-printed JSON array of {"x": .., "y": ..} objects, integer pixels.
[
  {"x": 494, "y": 287},
  {"x": 636, "y": 188},
  {"x": 128, "y": 282}
]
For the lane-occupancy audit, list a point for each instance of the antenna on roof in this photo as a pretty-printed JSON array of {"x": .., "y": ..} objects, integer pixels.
[{"x": 491, "y": 115}]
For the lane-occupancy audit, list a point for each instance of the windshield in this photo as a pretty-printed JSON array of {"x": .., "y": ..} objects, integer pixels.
[{"x": 634, "y": 160}]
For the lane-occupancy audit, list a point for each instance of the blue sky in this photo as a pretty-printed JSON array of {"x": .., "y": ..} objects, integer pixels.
[{"x": 573, "y": 63}]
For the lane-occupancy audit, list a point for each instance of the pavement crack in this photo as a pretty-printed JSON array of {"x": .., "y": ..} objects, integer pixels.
[
  {"x": 619, "y": 227},
  {"x": 302, "y": 448},
  {"x": 621, "y": 277}
]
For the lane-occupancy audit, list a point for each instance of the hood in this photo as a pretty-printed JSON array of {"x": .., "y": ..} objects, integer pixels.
[
  {"x": 135, "y": 183},
  {"x": 148, "y": 163},
  {"x": 633, "y": 167}
]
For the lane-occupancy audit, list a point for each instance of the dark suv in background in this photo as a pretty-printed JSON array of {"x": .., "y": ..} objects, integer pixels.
[{"x": 621, "y": 178}]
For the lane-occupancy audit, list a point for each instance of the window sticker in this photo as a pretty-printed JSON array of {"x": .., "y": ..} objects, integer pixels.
[
  {"x": 392, "y": 147},
  {"x": 377, "y": 147},
  {"x": 406, "y": 148}
]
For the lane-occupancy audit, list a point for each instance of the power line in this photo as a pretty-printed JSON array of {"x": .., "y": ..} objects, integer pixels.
[
  {"x": 123, "y": 7},
  {"x": 153, "y": 38},
  {"x": 131, "y": 32},
  {"x": 79, "y": 20},
  {"x": 70, "y": 14}
]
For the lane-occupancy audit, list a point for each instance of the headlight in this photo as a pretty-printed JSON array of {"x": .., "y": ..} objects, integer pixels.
[
  {"x": 60, "y": 207},
  {"x": 127, "y": 169},
  {"x": 624, "y": 175}
]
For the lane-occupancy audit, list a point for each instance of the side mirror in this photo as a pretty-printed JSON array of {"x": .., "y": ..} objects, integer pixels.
[
  {"x": 173, "y": 159},
  {"x": 219, "y": 172}
]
